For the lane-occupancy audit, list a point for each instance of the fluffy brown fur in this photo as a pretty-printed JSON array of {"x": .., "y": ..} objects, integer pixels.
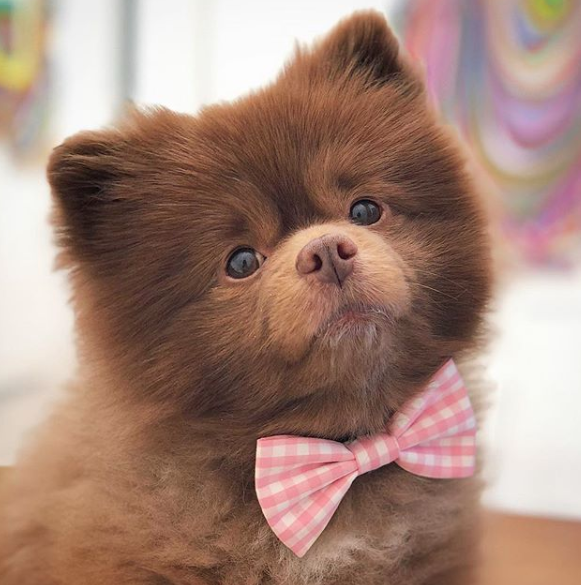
[{"x": 145, "y": 474}]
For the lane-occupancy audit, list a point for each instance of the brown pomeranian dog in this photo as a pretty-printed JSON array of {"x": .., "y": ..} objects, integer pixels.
[{"x": 298, "y": 262}]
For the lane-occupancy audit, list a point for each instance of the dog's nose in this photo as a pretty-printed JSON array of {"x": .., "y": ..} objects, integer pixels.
[{"x": 330, "y": 258}]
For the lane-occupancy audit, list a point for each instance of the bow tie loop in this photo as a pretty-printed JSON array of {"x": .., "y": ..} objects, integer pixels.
[{"x": 374, "y": 452}]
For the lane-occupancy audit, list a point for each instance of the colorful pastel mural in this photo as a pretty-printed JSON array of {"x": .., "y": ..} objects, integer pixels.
[
  {"x": 23, "y": 73},
  {"x": 508, "y": 75}
]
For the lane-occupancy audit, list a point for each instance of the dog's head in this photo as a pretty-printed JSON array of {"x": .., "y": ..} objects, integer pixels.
[{"x": 297, "y": 261}]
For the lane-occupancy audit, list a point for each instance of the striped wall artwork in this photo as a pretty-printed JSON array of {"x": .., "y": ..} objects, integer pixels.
[{"x": 508, "y": 76}]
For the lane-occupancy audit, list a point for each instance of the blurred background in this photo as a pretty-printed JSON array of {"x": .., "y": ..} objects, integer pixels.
[{"x": 506, "y": 74}]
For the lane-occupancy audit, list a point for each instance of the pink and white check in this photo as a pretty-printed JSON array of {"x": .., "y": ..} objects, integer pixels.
[{"x": 300, "y": 481}]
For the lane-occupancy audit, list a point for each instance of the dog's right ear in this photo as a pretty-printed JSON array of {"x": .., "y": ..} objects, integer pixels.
[
  {"x": 81, "y": 173},
  {"x": 84, "y": 174}
]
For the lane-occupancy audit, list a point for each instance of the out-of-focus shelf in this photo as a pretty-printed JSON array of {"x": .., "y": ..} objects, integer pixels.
[{"x": 521, "y": 550}]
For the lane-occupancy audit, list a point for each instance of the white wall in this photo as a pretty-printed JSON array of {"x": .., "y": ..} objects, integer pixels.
[
  {"x": 253, "y": 38},
  {"x": 197, "y": 52},
  {"x": 169, "y": 50},
  {"x": 535, "y": 427},
  {"x": 85, "y": 45}
]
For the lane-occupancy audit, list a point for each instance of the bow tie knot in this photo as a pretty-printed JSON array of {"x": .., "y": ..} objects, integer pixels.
[
  {"x": 300, "y": 481},
  {"x": 374, "y": 452}
]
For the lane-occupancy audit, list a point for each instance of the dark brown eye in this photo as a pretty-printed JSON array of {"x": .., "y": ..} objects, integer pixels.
[
  {"x": 365, "y": 212},
  {"x": 243, "y": 262}
]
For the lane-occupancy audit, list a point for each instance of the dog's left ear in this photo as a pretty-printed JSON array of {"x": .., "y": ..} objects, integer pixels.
[{"x": 361, "y": 46}]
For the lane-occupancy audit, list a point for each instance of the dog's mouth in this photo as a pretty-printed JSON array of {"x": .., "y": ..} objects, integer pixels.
[{"x": 355, "y": 321}]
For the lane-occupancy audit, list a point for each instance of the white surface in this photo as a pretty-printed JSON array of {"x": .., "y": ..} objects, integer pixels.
[
  {"x": 533, "y": 430},
  {"x": 167, "y": 40},
  {"x": 196, "y": 52},
  {"x": 255, "y": 37},
  {"x": 535, "y": 457},
  {"x": 85, "y": 44},
  {"x": 36, "y": 351}
]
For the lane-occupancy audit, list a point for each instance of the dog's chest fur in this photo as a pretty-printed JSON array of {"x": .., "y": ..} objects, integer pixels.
[{"x": 384, "y": 531}]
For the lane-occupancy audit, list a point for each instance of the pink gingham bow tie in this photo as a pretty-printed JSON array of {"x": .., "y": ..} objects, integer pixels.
[{"x": 300, "y": 481}]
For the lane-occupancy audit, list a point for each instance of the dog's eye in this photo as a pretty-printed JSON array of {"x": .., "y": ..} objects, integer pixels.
[
  {"x": 365, "y": 212},
  {"x": 243, "y": 262}
]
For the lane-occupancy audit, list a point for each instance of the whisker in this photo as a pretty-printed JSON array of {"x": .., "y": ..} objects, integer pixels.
[
  {"x": 462, "y": 289},
  {"x": 455, "y": 298}
]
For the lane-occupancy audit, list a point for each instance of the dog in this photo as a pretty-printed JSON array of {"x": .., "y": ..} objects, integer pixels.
[{"x": 299, "y": 262}]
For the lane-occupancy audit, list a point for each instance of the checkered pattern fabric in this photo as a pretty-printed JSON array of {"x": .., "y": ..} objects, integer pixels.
[{"x": 300, "y": 481}]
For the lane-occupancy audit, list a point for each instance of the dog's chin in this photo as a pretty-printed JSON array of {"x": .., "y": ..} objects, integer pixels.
[{"x": 357, "y": 328}]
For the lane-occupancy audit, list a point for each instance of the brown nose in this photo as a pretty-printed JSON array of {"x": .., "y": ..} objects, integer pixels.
[{"x": 330, "y": 258}]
